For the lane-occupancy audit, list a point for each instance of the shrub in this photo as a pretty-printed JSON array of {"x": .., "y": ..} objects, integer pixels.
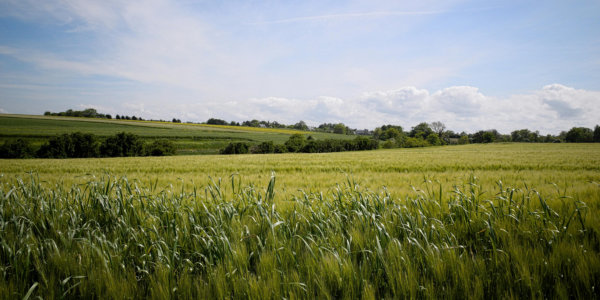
[
  {"x": 580, "y": 135},
  {"x": 74, "y": 145},
  {"x": 280, "y": 149},
  {"x": 264, "y": 147},
  {"x": 122, "y": 144},
  {"x": 295, "y": 143},
  {"x": 16, "y": 149},
  {"x": 236, "y": 148},
  {"x": 160, "y": 148}
]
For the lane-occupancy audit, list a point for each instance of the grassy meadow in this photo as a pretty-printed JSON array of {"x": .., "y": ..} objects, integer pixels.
[
  {"x": 476, "y": 221},
  {"x": 188, "y": 138}
]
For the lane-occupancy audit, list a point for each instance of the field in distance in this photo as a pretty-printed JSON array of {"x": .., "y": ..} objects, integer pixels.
[
  {"x": 188, "y": 138},
  {"x": 568, "y": 166}
]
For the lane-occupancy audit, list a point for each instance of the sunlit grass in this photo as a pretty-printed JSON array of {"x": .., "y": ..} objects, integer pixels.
[{"x": 115, "y": 238}]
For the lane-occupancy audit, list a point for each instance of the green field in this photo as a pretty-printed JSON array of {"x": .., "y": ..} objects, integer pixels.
[
  {"x": 477, "y": 221},
  {"x": 188, "y": 138}
]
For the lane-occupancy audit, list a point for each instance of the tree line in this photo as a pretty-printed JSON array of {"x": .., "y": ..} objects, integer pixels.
[
  {"x": 298, "y": 143},
  {"x": 81, "y": 145},
  {"x": 435, "y": 134},
  {"x": 86, "y": 113},
  {"x": 338, "y": 128}
]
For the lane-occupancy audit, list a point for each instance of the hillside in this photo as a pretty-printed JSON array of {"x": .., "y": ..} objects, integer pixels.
[{"x": 188, "y": 138}]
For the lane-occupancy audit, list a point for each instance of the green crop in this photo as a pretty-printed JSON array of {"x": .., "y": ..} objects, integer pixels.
[{"x": 115, "y": 238}]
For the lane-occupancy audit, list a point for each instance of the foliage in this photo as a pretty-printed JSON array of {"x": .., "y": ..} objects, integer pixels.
[
  {"x": 18, "y": 148},
  {"x": 580, "y": 135},
  {"x": 263, "y": 148},
  {"x": 483, "y": 136},
  {"x": 301, "y": 126},
  {"x": 411, "y": 142},
  {"x": 463, "y": 140},
  {"x": 160, "y": 148},
  {"x": 236, "y": 148},
  {"x": 433, "y": 139},
  {"x": 73, "y": 145},
  {"x": 422, "y": 130},
  {"x": 295, "y": 143},
  {"x": 525, "y": 135},
  {"x": 122, "y": 144},
  {"x": 214, "y": 121},
  {"x": 86, "y": 113}
]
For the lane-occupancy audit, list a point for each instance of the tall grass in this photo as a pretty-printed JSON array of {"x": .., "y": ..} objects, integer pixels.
[{"x": 114, "y": 238}]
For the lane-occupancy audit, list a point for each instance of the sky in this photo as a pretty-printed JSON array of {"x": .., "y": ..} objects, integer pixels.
[{"x": 473, "y": 65}]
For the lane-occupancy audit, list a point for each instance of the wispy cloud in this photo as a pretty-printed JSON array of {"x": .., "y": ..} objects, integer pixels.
[{"x": 373, "y": 14}]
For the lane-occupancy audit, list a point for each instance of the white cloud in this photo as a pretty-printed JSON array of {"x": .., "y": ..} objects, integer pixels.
[{"x": 461, "y": 108}]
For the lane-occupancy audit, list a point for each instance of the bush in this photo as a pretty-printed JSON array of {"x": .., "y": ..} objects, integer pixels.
[
  {"x": 122, "y": 144},
  {"x": 580, "y": 135},
  {"x": 160, "y": 148},
  {"x": 280, "y": 149},
  {"x": 213, "y": 121},
  {"x": 16, "y": 149},
  {"x": 411, "y": 142},
  {"x": 263, "y": 148},
  {"x": 295, "y": 143},
  {"x": 74, "y": 145},
  {"x": 236, "y": 148},
  {"x": 434, "y": 139}
]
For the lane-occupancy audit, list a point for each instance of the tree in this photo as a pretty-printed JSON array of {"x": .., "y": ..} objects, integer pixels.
[
  {"x": 483, "y": 137},
  {"x": 16, "y": 149},
  {"x": 463, "y": 139},
  {"x": 580, "y": 135},
  {"x": 597, "y": 134},
  {"x": 264, "y": 147},
  {"x": 295, "y": 143},
  {"x": 160, "y": 148},
  {"x": 422, "y": 130},
  {"x": 213, "y": 121},
  {"x": 122, "y": 144},
  {"x": 433, "y": 139},
  {"x": 438, "y": 127},
  {"x": 524, "y": 135},
  {"x": 340, "y": 128},
  {"x": 301, "y": 126},
  {"x": 236, "y": 148}
]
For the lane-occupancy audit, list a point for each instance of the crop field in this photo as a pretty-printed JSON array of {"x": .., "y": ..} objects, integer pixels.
[
  {"x": 188, "y": 138},
  {"x": 476, "y": 221}
]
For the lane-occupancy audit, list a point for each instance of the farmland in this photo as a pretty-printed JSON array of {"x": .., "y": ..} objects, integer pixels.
[
  {"x": 188, "y": 138},
  {"x": 491, "y": 220}
]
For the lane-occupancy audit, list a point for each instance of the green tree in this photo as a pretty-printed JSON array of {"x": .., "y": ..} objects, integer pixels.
[
  {"x": 295, "y": 143},
  {"x": 580, "y": 135},
  {"x": 160, "y": 148},
  {"x": 264, "y": 147},
  {"x": 597, "y": 134},
  {"x": 340, "y": 128},
  {"x": 122, "y": 144},
  {"x": 236, "y": 148},
  {"x": 433, "y": 139},
  {"x": 16, "y": 149},
  {"x": 301, "y": 126},
  {"x": 422, "y": 130}
]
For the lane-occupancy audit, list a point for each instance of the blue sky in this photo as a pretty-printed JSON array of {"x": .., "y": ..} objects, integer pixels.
[{"x": 470, "y": 64}]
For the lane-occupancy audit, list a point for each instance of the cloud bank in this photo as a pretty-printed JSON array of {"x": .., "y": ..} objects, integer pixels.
[{"x": 551, "y": 109}]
